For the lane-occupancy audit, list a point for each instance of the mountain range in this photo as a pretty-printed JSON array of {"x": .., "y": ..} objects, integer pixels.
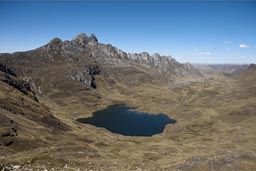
[{"x": 43, "y": 91}]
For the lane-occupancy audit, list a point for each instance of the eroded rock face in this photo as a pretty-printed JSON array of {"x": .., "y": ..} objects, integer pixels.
[
  {"x": 20, "y": 85},
  {"x": 11, "y": 79},
  {"x": 109, "y": 50},
  {"x": 80, "y": 76},
  {"x": 87, "y": 76},
  {"x": 94, "y": 70}
]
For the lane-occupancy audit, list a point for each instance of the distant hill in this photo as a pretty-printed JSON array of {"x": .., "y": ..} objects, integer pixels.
[
  {"x": 252, "y": 67},
  {"x": 230, "y": 70}
]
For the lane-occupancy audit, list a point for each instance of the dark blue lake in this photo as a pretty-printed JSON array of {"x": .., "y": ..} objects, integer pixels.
[{"x": 122, "y": 119}]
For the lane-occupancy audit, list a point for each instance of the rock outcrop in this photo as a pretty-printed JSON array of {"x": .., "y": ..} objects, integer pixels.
[
  {"x": 93, "y": 70},
  {"x": 82, "y": 39},
  {"x": 7, "y": 70},
  {"x": 18, "y": 98},
  {"x": 9, "y": 77},
  {"x": 87, "y": 76}
]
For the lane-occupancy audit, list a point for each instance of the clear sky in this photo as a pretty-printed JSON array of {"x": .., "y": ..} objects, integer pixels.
[{"x": 190, "y": 31}]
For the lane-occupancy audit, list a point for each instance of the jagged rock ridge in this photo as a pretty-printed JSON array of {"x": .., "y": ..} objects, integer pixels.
[
  {"x": 83, "y": 63},
  {"x": 82, "y": 43}
]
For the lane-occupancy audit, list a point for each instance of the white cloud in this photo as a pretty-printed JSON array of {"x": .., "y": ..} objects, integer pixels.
[
  {"x": 242, "y": 56},
  {"x": 226, "y": 42},
  {"x": 243, "y": 46},
  {"x": 203, "y": 53}
]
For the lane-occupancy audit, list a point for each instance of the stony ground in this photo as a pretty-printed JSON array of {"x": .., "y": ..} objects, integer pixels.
[{"x": 215, "y": 130}]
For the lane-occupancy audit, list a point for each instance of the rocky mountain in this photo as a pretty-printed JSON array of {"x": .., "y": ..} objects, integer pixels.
[
  {"x": 84, "y": 63},
  {"x": 164, "y": 64},
  {"x": 82, "y": 44},
  {"x": 58, "y": 51}
]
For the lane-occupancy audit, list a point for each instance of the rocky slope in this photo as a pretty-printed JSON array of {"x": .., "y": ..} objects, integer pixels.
[
  {"x": 66, "y": 71},
  {"x": 84, "y": 50},
  {"x": 215, "y": 115},
  {"x": 21, "y": 114}
]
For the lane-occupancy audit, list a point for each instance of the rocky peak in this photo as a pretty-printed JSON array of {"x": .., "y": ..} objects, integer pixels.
[
  {"x": 92, "y": 40},
  {"x": 156, "y": 55},
  {"x": 82, "y": 39},
  {"x": 170, "y": 57},
  {"x": 55, "y": 41},
  {"x": 145, "y": 56},
  {"x": 54, "y": 44}
]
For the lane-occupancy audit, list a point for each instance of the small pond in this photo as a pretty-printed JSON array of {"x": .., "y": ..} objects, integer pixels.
[{"x": 122, "y": 119}]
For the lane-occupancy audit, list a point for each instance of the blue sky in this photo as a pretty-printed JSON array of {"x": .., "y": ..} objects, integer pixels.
[{"x": 190, "y": 31}]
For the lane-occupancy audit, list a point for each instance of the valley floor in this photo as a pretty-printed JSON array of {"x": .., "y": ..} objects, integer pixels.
[{"x": 215, "y": 130}]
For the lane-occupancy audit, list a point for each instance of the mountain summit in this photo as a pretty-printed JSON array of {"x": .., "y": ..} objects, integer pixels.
[
  {"x": 85, "y": 62},
  {"x": 82, "y": 44},
  {"x": 82, "y": 39}
]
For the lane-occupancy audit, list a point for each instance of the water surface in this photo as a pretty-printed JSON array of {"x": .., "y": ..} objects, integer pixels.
[{"x": 124, "y": 120}]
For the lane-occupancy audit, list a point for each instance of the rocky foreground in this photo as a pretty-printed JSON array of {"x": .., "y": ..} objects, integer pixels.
[{"x": 43, "y": 91}]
